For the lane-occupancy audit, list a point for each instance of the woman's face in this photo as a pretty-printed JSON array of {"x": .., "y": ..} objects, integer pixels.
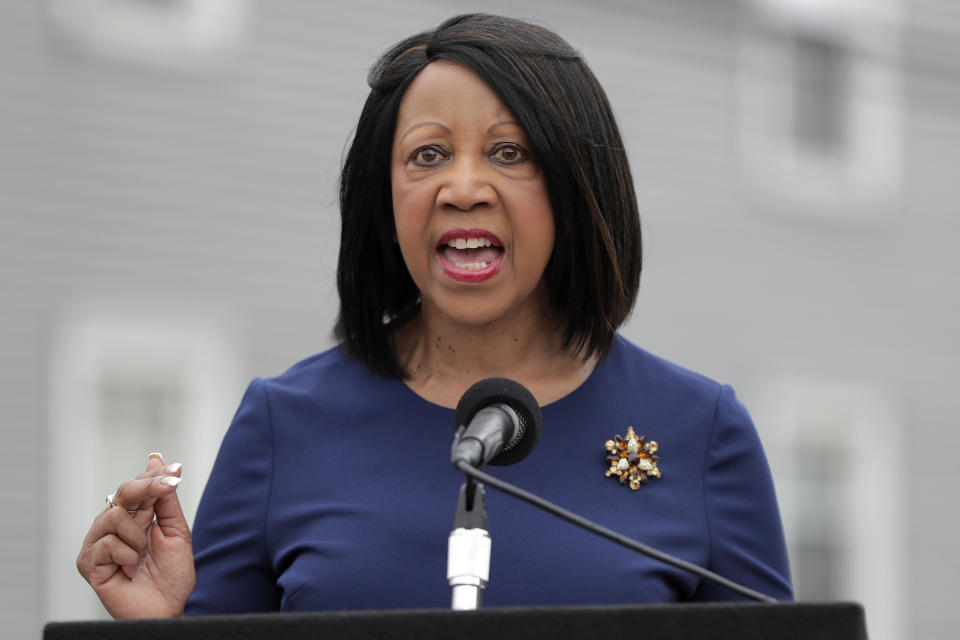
[{"x": 470, "y": 203}]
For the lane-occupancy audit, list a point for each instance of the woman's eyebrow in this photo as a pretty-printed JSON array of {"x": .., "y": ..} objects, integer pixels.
[
  {"x": 423, "y": 124},
  {"x": 503, "y": 123}
]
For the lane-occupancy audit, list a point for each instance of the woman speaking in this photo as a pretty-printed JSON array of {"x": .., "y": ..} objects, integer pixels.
[{"x": 489, "y": 228}]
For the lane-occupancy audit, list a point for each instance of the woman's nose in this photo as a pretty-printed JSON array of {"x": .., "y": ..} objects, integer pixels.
[{"x": 467, "y": 186}]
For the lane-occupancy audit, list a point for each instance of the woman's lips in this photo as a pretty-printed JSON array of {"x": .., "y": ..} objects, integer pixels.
[
  {"x": 470, "y": 255},
  {"x": 472, "y": 273}
]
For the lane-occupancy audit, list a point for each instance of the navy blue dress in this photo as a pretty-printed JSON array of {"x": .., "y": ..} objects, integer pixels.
[{"x": 333, "y": 490}]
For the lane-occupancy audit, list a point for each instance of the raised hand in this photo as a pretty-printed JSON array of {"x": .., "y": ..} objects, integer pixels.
[{"x": 137, "y": 555}]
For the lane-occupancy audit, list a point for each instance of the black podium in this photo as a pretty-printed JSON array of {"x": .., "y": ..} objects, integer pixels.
[{"x": 787, "y": 621}]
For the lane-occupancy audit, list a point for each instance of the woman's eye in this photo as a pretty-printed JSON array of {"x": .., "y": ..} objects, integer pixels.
[
  {"x": 509, "y": 154},
  {"x": 428, "y": 157}
]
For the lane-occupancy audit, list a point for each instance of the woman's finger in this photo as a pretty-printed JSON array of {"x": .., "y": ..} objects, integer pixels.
[
  {"x": 164, "y": 470},
  {"x": 111, "y": 550},
  {"x": 155, "y": 460},
  {"x": 127, "y": 529},
  {"x": 169, "y": 514},
  {"x": 142, "y": 493},
  {"x": 116, "y": 521}
]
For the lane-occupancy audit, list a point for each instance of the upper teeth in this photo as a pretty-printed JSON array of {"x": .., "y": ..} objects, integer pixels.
[{"x": 470, "y": 243}]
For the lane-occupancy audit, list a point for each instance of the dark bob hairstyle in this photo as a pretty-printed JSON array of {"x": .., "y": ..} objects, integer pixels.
[{"x": 594, "y": 271}]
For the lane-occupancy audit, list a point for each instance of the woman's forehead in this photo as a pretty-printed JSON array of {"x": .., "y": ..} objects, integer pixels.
[{"x": 449, "y": 94}]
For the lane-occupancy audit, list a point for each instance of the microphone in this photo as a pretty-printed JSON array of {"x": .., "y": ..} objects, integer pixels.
[{"x": 498, "y": 422}]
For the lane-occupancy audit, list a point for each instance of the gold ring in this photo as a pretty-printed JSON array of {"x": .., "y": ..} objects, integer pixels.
[{"x": 112, "y": 502}]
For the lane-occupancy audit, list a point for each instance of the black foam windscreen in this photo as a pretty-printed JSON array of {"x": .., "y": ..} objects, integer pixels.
[{"x": 492, "y": 391}]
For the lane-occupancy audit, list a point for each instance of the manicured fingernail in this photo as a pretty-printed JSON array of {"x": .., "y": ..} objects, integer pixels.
[
  {"x": 172, "y": 468},
  {"x": 156, "y": 454},
  {"x": 170, "y": 481}
]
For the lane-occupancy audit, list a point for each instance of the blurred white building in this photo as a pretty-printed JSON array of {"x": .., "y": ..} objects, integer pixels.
[{"x": 168, "y": 230}]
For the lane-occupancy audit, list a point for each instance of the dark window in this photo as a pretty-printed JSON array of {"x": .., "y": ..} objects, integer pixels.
[{"x": 819, "y": 93}]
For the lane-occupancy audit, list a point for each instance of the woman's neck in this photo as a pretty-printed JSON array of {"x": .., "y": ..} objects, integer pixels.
[{"x": 444, "y": 358}]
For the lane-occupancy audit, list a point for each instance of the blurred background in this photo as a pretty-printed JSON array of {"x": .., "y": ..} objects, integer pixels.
[{"x": 169, "y": 230}]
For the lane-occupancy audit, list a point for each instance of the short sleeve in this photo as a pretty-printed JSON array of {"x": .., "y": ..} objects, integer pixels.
[
  {"x": 234, "y": 573},
  {"x": 746, "y": 535}
]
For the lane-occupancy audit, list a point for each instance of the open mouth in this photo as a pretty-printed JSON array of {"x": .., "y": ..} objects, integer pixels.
[{"x": 470, "y": 255}]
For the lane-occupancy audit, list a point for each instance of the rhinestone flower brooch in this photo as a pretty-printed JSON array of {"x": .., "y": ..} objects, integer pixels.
[{"x": 632, "y": 459}]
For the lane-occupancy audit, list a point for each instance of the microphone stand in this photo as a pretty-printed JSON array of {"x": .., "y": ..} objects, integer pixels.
[{"x": 468, "y": 548}]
